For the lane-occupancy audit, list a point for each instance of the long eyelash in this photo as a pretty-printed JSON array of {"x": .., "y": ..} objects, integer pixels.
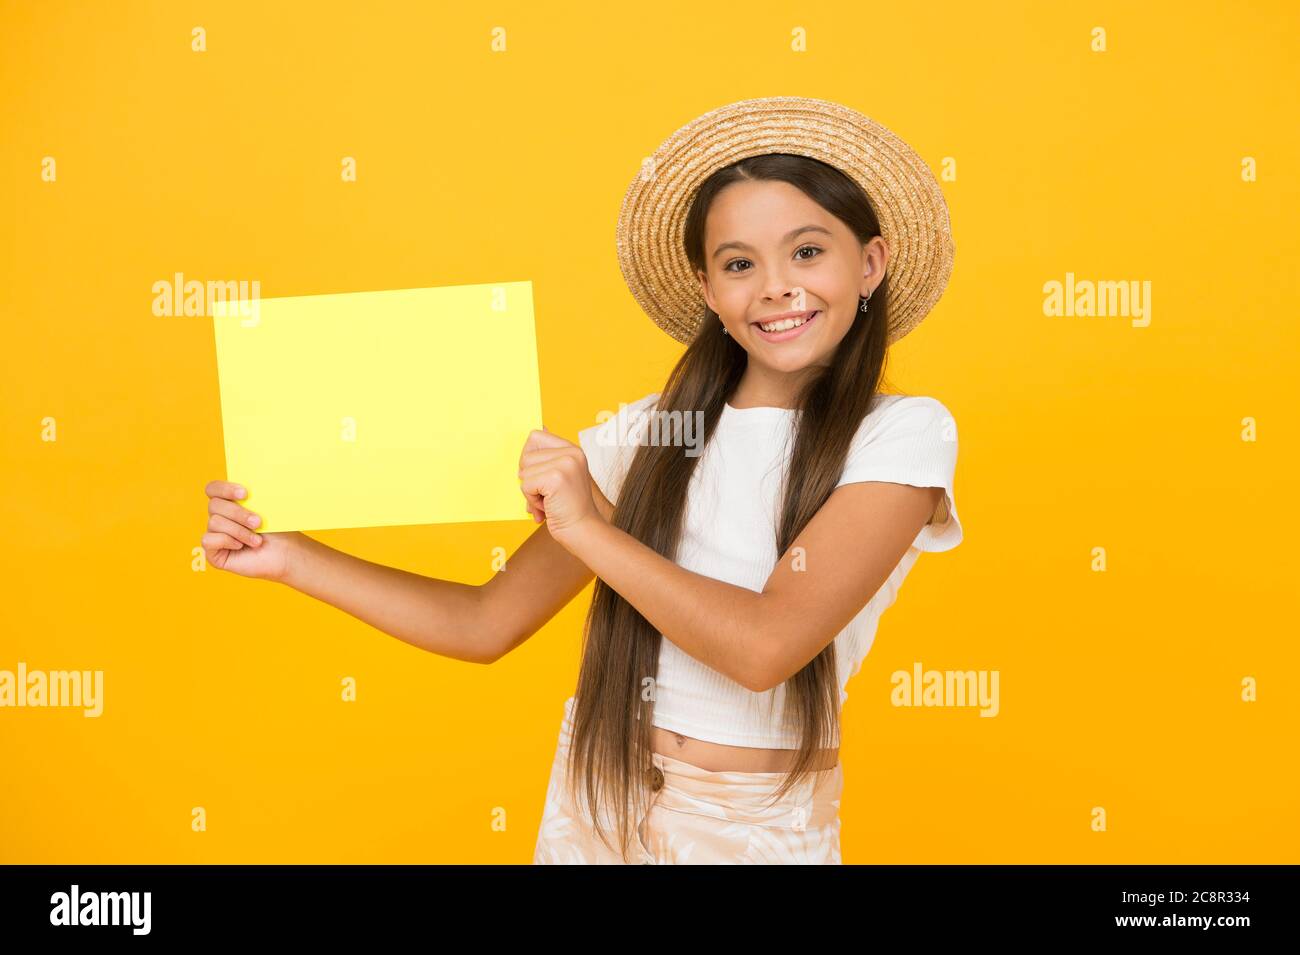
[{"x": 728, "y": 266}]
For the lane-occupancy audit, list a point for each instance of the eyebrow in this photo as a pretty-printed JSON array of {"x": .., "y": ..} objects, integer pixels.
[{"x": 786, "y": 238}]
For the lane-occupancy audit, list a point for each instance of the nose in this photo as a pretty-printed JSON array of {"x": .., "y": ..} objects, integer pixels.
[
  {"x": 779, "y": 293},
  {"x": 779, "y": 290}
]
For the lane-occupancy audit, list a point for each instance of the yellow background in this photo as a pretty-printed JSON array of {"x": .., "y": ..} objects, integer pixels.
[{"x": 1118, "y": 689}]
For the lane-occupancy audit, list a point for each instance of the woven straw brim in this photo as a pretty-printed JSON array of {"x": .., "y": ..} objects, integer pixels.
[{"x": 903, "y": 192}]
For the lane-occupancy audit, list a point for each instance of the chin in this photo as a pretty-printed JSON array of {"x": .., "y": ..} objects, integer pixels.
[{"x": 786, "y": 364}]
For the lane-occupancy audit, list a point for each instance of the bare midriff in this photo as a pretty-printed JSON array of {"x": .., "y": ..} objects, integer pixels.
[{"x": 721, "y": 758}]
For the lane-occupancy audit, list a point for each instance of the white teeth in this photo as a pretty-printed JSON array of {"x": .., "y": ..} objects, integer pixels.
[{"x": 784, "y": 325}]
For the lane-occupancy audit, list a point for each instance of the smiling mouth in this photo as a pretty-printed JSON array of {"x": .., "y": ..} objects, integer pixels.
[{"x": 785, "y": 329}]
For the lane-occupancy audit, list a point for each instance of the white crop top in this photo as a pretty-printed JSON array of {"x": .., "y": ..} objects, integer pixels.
[{"x": 730, "y": 534}]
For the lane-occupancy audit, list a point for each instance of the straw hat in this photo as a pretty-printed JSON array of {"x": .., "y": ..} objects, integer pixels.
[{"x": 904, "y": 194}]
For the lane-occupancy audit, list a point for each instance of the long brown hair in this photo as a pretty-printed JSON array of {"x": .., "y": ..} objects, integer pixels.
[{"x": 611, "y": 747}]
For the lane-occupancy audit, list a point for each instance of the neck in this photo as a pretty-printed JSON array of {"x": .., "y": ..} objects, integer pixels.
[{"x": 764, "y": 388}]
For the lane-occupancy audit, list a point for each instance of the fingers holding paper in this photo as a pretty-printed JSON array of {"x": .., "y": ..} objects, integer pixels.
[
  {"x": 232, "y": 544},
  {"x": 553, "y": 477}
]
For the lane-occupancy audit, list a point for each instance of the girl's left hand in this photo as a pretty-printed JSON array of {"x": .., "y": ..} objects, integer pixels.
[{"x": 555, "y": 479}]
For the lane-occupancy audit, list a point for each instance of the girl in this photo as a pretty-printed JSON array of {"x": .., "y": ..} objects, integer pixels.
[{"x": 746, "y": 526}]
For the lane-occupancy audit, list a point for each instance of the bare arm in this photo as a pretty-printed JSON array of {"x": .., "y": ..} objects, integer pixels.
[
  {"x": 470, "y": 622},
  {"x": 537, "y": 582},
  {"x": 441, "y": 616},
  {"x": 760, "y": 640}
]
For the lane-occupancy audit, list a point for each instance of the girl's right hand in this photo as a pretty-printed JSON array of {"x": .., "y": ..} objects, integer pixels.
[{"x": 232, "y": 544}]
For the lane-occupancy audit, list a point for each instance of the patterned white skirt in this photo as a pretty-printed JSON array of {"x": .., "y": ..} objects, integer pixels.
[{"x": 700, "y": 817}]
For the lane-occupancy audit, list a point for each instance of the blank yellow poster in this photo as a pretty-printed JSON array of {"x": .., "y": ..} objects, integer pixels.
[{"x": 368, "y": 409}]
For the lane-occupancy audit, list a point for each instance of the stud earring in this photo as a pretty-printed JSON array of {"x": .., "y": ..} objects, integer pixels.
[{"x": 724, "y": 330}]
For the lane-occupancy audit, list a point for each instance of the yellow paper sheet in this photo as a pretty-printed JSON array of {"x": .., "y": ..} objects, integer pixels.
[{"x": 369, "y": 409}]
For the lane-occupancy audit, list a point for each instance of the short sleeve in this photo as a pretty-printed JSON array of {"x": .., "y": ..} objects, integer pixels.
[
  {"x": 610, "y": 445},
  {"x": 911, "y": 439}
]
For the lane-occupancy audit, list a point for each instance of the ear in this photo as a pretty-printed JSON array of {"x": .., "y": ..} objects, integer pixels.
[
  {"x": 706, "y": 290},
  {"x": 875, "y": 257}
]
